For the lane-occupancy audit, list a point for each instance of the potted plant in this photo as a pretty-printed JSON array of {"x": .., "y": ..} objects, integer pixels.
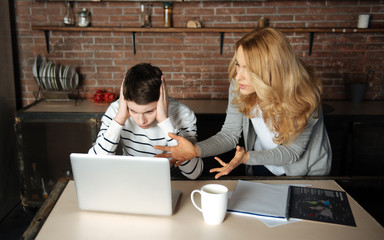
[{"x": 357, "y": 86}]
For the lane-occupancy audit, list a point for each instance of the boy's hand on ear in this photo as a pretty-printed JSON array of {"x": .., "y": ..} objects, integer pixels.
[
  {"x": 162, "y": 104},
  {"x": 123, "y": 112}
]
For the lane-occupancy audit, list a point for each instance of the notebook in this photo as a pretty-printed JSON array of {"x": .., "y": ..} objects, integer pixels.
[
  {"x": 123, "y": 184},
  {"x": 266, "y": 200},
  {"x": 286, "y": 202}
]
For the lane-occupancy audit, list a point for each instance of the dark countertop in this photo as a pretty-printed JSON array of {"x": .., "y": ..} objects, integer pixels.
[{"x": 371, "y": 108}]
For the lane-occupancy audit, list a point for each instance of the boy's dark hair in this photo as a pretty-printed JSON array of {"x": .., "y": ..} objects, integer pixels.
[{"x": 142, "y": 84}]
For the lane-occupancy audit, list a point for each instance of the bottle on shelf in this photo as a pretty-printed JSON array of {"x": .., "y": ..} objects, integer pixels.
[
  {"x": 84, "y": 18},
  {"x": 167, "y": 6},
  {"x": 146, "y": 15},
  {"x": 69, "y": 17}
]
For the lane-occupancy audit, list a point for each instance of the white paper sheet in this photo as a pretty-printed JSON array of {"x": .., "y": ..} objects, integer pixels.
[
  {"x": 256, "y": 199},
  {"x": 270, "y": 200}
]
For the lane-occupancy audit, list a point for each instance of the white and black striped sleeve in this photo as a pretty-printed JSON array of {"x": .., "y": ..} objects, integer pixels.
[
  {"x": 184, "y": 120},
  {"x": 109, "y": 134}
]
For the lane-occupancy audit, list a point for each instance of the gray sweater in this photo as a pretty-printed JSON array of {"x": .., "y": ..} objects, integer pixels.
[{"x": 310, "y": 154}]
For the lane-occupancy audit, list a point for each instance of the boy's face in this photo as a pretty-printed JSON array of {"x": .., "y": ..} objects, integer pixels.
[{"x": 143, "y": 115}]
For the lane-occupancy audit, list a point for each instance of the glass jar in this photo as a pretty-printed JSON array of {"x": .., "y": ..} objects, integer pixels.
[
  {"x": 69, "y": 17},
  {"x": 83, "y": 18},
  {"x": 167, "y": 14},
  {"x": 146, "y": 15},
  {"x": 263, "y": 22}
]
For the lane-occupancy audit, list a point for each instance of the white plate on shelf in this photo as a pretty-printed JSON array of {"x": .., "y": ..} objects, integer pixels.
[
  {"x": 73, "y": 77},
  {"x": 57, "y": 77},
  {"x": 50, "y": 77},
  {"x": 53, "y": 76},
  {"x": 76, "y": 81},
  {"x": 35, "y": 69},
  {"x": 65, "y": 77},
  {"x": 42, "y": 78},
  {"x": 70, "y": 73},
  {"x": 61, "y": 76},
  {"x": 41, "y": 73},
  {"x": 46, "y": 76}
]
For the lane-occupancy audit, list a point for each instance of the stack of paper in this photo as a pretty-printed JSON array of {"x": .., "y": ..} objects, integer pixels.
[{"x": 267, "y": 200}]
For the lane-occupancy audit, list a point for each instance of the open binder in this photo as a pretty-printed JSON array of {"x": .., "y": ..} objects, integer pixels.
[{"x": 285, "y": 201}]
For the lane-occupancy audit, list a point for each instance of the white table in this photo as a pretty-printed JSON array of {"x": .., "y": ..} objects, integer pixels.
[{"x": 67, "y": 221}]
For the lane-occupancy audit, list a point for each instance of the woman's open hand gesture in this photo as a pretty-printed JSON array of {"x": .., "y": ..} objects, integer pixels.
[{"x": 241, "y": 157}]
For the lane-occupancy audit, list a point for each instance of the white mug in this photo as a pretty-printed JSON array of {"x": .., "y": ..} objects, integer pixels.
[
  {"x": 214, "y": 199},
  {"x": 363, "y": 21}
]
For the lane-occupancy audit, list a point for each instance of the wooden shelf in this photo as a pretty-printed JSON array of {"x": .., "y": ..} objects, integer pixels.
[
  {"x": 138, "y": 29},
  {"x": 235, "y": 30},
  {"x": 133, "y": 30}
]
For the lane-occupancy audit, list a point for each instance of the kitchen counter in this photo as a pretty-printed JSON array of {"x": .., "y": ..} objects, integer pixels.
[{"x": 371, "y": 108}]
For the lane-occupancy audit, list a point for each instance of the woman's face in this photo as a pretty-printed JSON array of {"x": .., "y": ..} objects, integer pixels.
[{"x": 242, "y": 74}]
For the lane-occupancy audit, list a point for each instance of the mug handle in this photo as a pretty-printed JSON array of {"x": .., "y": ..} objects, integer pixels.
[{"x": 193, "y": 201}]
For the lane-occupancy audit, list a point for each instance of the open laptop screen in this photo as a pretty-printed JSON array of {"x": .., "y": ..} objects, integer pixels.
[{"x": 123, "y": 184}]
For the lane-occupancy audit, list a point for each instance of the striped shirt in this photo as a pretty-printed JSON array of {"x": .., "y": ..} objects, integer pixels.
[{"x": 136, "y": 141}]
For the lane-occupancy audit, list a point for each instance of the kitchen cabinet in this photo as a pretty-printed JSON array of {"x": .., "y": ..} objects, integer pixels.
[
  {"x": 47, "y": 132},
  {"x": 354, "y": 130},
  {"x": 9, "y": 196}
]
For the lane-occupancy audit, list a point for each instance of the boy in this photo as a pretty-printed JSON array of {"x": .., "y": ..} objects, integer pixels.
[{"x": 142, "y": 118}]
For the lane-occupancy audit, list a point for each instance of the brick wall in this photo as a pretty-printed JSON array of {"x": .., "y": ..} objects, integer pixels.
[{"x": 192, "y": 62}]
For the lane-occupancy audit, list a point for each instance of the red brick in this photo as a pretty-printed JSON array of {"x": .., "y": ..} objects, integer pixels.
[
  {"x": 123, "y": 4},
  {"x": 94, "y": 47},
  {"x": 323, "y": 10},
  {"x": 217, "y": 4},
  {"x": 340, "y": 17},
  {"x": 108, "y": 55},
  {"x": 107, "y": 11},
  {"x": 205, "y": 11},
  {"x": 308, "y": 18},
  {"x": 168, "y": 40},
  {"x": 192, "y": 62},
  {"x": 260, "y": 11},
  {"x": 109, "y": 40},
  {"x": 292, "y": 10},
  {"x": 134, "y": 18},
  {"x": 66, "y": 47},
  {"x": 78, "y": 55}
]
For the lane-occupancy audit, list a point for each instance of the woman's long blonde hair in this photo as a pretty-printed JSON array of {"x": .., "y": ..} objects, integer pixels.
[{"x": 286, "y": 91}]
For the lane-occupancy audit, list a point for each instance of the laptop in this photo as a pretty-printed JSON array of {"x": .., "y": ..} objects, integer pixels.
[{"x": 124, "y": 184}]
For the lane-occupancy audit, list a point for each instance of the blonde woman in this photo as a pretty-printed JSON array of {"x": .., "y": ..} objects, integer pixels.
[{"x": 275, "y": 102}]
